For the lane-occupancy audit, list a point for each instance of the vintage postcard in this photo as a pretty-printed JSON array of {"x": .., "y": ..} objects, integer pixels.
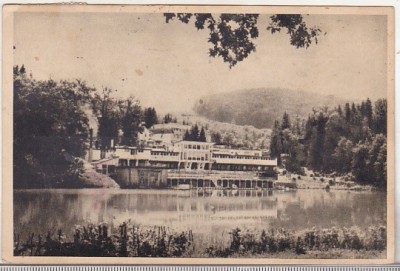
[{"x": 198, "y": 134}]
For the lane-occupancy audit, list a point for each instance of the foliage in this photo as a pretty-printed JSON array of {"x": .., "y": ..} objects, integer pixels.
[
  {"x": 235, "y": 136},
  {"x": 337, "y": 141},
  {"x": 150, "y": 117},
  {"x": 232, "y": 36},
  {"x": 49, "y": 123},
  {"x": 195, "y": 134},
  {"x": 129, "y": 240},
  {"x": 131, "y": 118},
  {"x": 105, "y": 107},
  {"x": 168, "y": 119},
  {"x": 101, "y": 241},
  {"x": 280, "y": 240}
]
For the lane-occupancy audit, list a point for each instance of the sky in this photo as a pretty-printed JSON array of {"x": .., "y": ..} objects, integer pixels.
[{"x": 167, "y": 65}]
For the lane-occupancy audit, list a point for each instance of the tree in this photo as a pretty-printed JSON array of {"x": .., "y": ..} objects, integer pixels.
[
  {"x": 131, "y": 118},
  {"x": 285, "y": 121},
  {"x": 368, "y": 113},
  {"x": 347, "y": 112},
  {"x": 380, "y": 167},
  {"x": 359, "y": 165},
  {"x": 340, "y": 111},
  {"x": 380, "y": 116},
  {"x": 316, "y": 149},
  {"x": 276, "y": 142},
  {"x": 216, "y": 138},
  {"x": 150, "y": 117},
  {"x": 108, "y": 119},
  {"x": 232, "y": 36},
  {"x": 167, "y": 118},
  {"x": 49, "y": 122},
  {"x": 187, "y": 136},
  {"x": 377, "y": 160},
  {"x": 342, "y": 156},
  {"x": 194, "y": 133},
  {"x": 202, "y": 136}
]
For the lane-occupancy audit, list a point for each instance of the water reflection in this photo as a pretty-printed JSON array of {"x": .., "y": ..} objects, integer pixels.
[{"x": 205, "y": 212}]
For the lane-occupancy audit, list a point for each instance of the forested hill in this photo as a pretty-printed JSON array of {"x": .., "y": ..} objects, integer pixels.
[{"x": 261, "y": 107}]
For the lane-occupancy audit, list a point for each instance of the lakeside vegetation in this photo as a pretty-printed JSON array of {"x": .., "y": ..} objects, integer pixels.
[
  {"x": 129, "y": 240},
  {"x": 349, "y": 142},
  {"x": 53, "y": 123}
]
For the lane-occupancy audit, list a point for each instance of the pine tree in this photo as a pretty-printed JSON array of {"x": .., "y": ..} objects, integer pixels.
[
  {"x": 167, "y": 118},
  {"x": 276, "y": 142},
  {"x": 202, "y": 136},
  {"x": 347, "y": 112},
  {"x": 285, "y": 121},
  {"x": 380, "y": 117},
  {"x": 150, "y": 117},
  {"x": 186, "y": 136},
  {"x": 369, "y": 112},
  {"x": 22, "y": 70},
  {"x": 194, "y": 134},
  {"x": 340, "y": 111}
]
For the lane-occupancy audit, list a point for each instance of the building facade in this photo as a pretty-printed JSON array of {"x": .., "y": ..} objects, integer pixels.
[{"x": 189, "y": 164}]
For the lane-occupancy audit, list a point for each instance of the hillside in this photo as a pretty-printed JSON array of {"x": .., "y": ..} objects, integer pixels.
[
  {"x": 230, "y": 134},
  {"x": 261, "y": 107}
]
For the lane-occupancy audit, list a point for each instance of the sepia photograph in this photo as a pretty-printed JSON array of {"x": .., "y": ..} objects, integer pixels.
[{"x": 188, "y": 134}]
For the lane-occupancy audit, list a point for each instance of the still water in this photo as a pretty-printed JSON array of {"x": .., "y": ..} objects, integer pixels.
[{"x": 210, "y": 213}]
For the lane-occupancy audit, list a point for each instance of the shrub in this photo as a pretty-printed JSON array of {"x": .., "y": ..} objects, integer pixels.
[{"x": 137, "y": 241}]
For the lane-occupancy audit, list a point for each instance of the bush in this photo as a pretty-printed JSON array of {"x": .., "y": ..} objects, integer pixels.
[
  {"x": 98, "y": 241},
  {"x": 281, "y": 240},
  {"x": 322, "y": 180},
  {"x": 299, "y": 177},
  {"x": 136, "y": 241},
  {"x": 332, "y": 182}
]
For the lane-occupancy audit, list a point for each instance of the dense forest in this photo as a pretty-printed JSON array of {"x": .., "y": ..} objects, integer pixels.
[
  {"x": 52, "y": 124},
  {"x": 349, "y": 140},
  {"x": 260, "y": 107}
]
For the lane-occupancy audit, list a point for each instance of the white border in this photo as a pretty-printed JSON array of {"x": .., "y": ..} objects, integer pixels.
[{"x": 393, "y": 3}]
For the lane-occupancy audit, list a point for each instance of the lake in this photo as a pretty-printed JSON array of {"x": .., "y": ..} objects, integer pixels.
[{"x": 205, "y": 213}]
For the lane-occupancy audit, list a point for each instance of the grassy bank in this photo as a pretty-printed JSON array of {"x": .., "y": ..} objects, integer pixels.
[
  {"x": 318, "y": 181},
  {"x": 129, "y": 240}
]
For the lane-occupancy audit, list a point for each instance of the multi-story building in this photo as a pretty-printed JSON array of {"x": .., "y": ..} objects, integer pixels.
[{"x": 190, "y": 163}]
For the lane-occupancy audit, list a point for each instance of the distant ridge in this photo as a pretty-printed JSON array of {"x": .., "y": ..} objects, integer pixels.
[{"x": 262, "y": 106}]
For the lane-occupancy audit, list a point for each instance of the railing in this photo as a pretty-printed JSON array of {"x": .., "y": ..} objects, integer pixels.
[{"x": 213, "y": 174}]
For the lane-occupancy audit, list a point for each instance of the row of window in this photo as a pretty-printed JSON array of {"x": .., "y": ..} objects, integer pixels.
[
  {"x": 165, "y": 153},
  {"x": 185, "y": 156},
  {"x": 242, "y": 157},
  {"x": 196, "y": 147}
]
